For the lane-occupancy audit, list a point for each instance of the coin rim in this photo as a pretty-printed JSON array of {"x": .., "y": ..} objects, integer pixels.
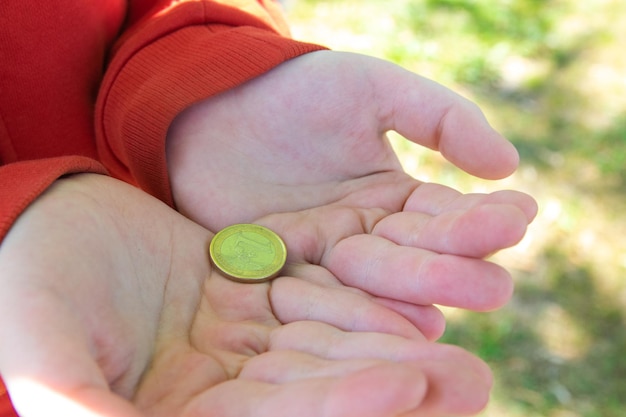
[{"x": 272, "y": 236}]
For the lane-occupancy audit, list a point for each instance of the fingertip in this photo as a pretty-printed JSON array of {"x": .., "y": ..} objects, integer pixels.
[
  {"x": 503, "y": 226},
  {"x": 489, "y": 156},
  {"x": 427, "y": 318},
  {"x": 531, "y": 209},
  {"x": 526, "y": 203},
  {"x": 497, "y": 291},
  {"x": 471, "y": 143},
  {"x": 504, "y": 161},
  {"x": 467, "y": 283},
  {"x": 437, "y": 332},
  {"x": 503, "y": 296},
  {"x": 460, "y": 383}
]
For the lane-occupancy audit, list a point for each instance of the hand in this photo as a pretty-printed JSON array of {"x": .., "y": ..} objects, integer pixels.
[
  {"x": 111, "y": 308},
  {"x": 310, "y": 134}
]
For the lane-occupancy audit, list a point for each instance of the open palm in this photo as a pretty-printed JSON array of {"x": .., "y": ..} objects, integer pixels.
[
  {"x": 311, "y": 134},
  {"x": 115, "y": 310}
]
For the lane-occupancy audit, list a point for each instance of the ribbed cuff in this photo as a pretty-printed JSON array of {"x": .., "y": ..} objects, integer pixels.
[
  {"x": 22, "y": 182},
  {"x": 158, "y": 81}
]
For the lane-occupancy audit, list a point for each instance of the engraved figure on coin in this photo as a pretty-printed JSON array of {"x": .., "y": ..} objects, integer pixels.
[
  {"x": 248, "y": 253},
  {"x": 252, "y": 251}
]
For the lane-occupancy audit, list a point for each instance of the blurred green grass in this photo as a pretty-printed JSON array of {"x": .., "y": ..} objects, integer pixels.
[{"x": 551, "y": 76}]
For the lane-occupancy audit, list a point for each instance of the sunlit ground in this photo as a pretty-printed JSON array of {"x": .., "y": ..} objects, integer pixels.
[{"x": 550, "y": 75}]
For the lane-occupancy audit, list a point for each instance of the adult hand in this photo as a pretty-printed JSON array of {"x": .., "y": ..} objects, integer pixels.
[
  {"x": 111, "y": 308},
  {"x": 309, "y": 136}
]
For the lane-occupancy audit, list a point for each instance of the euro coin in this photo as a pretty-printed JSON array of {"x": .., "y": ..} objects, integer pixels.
[{"x": 248, "y": 253}]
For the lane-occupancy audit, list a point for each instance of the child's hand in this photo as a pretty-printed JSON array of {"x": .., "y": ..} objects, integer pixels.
[
  {"x": 308, "y": 138},
  {"x": 113, "y": 309}
]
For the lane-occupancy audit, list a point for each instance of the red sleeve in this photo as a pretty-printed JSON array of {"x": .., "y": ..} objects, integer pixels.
[
  {"x": 48, "y": 80},
  {"x": 6, "y": 409},
  {"x": 167, "y": 58},
  {"x": 174, "y": 57},
  {"x": 24, "y": 181}
]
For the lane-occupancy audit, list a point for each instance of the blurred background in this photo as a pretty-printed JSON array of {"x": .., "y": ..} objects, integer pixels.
[{"x": 551, "y": 76}]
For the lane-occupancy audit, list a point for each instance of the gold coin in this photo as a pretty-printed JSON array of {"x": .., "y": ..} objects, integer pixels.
[{"x": 248, "y": 253}]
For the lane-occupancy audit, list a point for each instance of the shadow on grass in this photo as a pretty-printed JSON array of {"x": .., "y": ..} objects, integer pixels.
[{"x": 559, "y": 345}]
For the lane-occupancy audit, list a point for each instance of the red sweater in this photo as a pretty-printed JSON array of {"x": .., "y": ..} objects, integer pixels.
[{"x": 92, "y": 86}]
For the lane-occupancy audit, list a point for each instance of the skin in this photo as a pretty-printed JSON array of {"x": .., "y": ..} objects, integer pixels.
[
  {"x": 126, "y": 316},
  {"x": 311, "y": 132},
  {"x": 309, "y": 137}
]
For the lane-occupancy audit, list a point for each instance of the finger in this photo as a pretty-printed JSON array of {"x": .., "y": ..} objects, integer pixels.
[
  {"x": 476, "y": 232},
  {"x": 454, "y": 389},
  {"x": 289, "y": 378},
  {"x": 428, "y": 319},
  {"x": 328, "y": 342},
  {"x": 427, "y": 113},
  {"x": 385, "y": 390},
  {"x": 449, "y": 369},
  {"x": 328, "y": 299},
  {"x": 418, "y": 276},
  {"x": 359, "y": 394},
  {"x": 435, "y": 199},
  {"x": 294, "y": 299},
  {"x": 453, "y": 367}
]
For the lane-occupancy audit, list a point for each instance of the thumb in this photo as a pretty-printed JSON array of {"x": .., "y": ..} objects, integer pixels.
[{"x": 432, "y": 115}]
